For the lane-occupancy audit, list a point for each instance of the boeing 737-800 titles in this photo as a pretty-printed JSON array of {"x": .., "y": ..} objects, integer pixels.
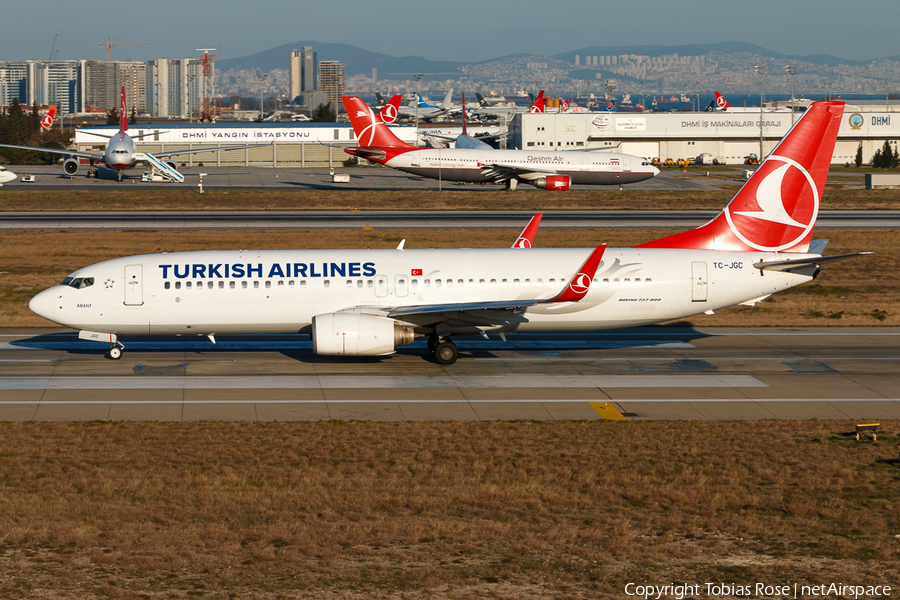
[
  {"x": 368, "y": 302},
  {"x": 120, "y": 153},
  {"x": 544, "y": 169}
]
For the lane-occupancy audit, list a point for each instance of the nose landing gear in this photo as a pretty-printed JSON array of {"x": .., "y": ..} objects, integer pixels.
[{"x": 115, "y": 351}]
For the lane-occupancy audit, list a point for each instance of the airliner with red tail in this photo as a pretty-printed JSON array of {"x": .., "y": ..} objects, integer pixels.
[
  {"x": 369, "y": 302},
  {"x": 720, "y": 104},
  {"x": 555, "y": 171},
  {"x": 120, "y": 153}
]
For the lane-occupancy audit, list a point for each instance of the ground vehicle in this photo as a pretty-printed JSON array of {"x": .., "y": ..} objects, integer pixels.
[
  {"x": 151, "y": 176},
  {"x": 752, "y": 159},
  {"x": 27, "y": 178},
  {"x": 669, "y": 163}
]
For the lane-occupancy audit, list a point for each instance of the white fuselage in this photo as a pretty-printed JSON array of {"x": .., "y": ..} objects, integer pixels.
[
  {"x": 280, "y": 291},
  {"x": 455, "y": 164},
  {"x": 6, "y": 175},
  {"x": 119, "y": 153}
]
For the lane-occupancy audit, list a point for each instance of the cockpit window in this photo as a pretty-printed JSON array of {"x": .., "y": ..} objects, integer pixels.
[{"x": 78, "y": 282}]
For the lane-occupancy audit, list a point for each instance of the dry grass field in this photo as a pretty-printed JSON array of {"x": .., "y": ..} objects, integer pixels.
[
  {"x": 440, "y": 510},
  {"x": 837, "y": 197},
  {"x": 860, "y": 292}
]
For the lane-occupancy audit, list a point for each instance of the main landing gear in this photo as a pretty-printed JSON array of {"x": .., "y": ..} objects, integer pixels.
[{"x": 444, "y": 351}]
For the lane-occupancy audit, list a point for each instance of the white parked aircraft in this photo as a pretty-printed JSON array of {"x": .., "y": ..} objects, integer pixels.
[
  {"x": 368, "y": 302},
  {"x": 6, "y": 175},
  {"x": 120, "y": 153},
  {"x": 543, "y": 169}
]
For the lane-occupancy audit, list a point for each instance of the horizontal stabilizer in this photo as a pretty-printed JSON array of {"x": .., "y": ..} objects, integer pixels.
[{"x": 787, "y": 265}]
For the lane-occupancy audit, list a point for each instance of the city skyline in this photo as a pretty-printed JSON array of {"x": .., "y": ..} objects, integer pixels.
[{"x": 473, "y": 31}]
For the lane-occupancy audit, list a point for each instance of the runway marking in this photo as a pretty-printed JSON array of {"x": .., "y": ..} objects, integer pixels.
[
  {"x": 379, "y": 382},
  {"x": 607, "y": 411}
]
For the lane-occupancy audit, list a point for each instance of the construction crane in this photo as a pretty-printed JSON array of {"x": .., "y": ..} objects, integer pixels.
[
  {"x": 109, "y": 44},
  {"x": 53, "y": 48}
]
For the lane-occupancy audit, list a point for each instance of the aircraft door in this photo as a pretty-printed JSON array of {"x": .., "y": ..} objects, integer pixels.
[
  {"x": 625, "y": 162},
  {"x": 381, "y": 286},
  {"x": 134, "y": 295},
  {"x": 699, "y": 282},
  {"x": 401, "y": 285}
]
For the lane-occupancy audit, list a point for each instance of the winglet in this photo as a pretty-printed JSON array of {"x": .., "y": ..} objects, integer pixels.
[
  {"x": 581, "y": 281},
  {"x": 526, "y": 238}
]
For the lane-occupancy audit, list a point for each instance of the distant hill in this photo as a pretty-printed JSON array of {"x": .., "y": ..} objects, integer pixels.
[
  {"x": 701, "y": 49},
  {"x": 358, "y": 60},
  {"x": 361, "y": 62}
]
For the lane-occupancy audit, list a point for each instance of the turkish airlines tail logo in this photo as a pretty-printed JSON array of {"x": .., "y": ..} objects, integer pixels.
[
  {"x": 370, "y": 130},
  {"x": 776, "y": 209},
  {"x": 721, "y": 102},
  {"x": 538, "y": 104},
  {"x": 47, "y": 120},
  {"x": 389, "y": 112}
]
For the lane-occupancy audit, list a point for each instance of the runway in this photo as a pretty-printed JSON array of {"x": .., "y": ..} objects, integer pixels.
[
  {"x": 302, "y": 220},
  {"x": 646, "y": 373}
]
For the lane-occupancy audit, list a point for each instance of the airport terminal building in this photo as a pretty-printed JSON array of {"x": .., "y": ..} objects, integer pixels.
[
  {"x": 282, "y": 144},
  {"x": 729, "y": 138}
]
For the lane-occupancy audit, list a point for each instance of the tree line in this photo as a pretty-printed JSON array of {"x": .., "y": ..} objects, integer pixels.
[{"x": 23, "y": 128}]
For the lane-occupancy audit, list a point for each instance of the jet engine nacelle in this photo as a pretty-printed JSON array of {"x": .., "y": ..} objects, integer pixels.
[
  {"x": 356, "y": 334},
  {"x": 171, "y": 164},
  {"x": 554, "y": 183},
  {"x": 70, "y": 166}
]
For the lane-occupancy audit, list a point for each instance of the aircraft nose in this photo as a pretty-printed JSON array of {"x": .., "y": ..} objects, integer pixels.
[
  {"x": 655, "y": 171},
  {"x": 42, "y": 304}
]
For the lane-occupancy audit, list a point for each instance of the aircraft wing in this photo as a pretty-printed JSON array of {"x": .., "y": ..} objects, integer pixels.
[
  {"x": 90, "y": 155},
  {"x": 196, "y": 150},
  {"x": 491, "y": 314},
  {"x": 504, "y": 171}
]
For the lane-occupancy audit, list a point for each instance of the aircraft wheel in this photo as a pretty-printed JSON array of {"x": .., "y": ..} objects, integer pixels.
[
  {"x": 114, "y": 353},
  {"x": 446, "y": 353}
]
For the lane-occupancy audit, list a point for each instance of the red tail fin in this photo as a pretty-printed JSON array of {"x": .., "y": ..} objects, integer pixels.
[
  {"x": 123, "y": 113},
  {"x": 721, "y": 102},
  {"x": 538, "y": 105},
  {"x": 47, "y": 120},
  {"x": 465, "y": 131},
  {"x": 369, "y": 129},
  {"x": 526, "y": 238},
  {"x": 388, "y": 112},
  {"x": 776, "y": 209}
]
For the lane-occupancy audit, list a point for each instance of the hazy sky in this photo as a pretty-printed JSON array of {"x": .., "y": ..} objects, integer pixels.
[{"x": 464, "y": 30}]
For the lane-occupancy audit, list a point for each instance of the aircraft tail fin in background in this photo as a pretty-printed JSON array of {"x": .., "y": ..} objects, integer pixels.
[
  {"x": 776, "y": 209},
  {"x": 370, "y": 130},
  {"x": 47, "y": 120},
  {"x": 721, "y": 102},
  {"x": 390, "y": 109},
  {"x": 123, "y": 113},
  {"x": 538, "y": 105}
]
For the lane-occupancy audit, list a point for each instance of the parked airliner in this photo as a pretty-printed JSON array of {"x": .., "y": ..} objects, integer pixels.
[
  {"x": 368, "y": 302},
  {"x": 6, "y": 176},
  {"x": 120, "y": 153},
  {"x": 543, "y": 169}
]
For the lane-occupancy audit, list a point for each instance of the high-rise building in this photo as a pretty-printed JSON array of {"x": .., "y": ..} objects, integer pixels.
[
  {"x": 309, "y": 69},
  {"x": 174, "y": 87},
  {"x": 100, "y": 83},
  {"x": 294, "y": 76},
  {"x": 53, "y": 82},
  {"x": 331, "y": 81},
  {"x": 13, "y": 82}
]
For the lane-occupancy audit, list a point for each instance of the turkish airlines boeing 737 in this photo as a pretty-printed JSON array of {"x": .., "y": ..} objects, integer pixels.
[
  {"x": 544, "y": 169},
  {"x": 368, "y": 302}
]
